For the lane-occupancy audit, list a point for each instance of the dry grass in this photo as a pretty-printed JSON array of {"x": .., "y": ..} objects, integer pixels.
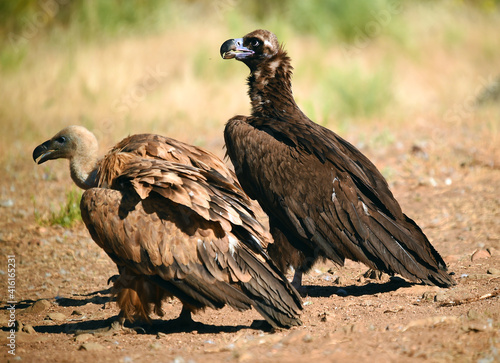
[{"x": 437, "y": 58}]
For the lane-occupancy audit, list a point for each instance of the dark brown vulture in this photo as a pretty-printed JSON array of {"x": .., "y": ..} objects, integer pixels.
[
  {"x": 176, "y": 222},
  {"x": 322, "y": 195}
]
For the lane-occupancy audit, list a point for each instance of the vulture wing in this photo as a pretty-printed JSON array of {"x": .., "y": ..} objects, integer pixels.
[
  {"x": 327, "y": 198},
  {"x": 188, "y": 230}
]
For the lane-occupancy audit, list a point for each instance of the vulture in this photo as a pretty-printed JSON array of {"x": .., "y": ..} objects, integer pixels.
[
  {"x": 176, "y": 222},
  {"x": 324, "y": 198}
]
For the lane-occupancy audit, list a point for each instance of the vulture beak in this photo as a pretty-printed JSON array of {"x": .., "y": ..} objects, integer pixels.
[
  {"x": 45, "y": 152},
  {"x": 233, "y": 48}
]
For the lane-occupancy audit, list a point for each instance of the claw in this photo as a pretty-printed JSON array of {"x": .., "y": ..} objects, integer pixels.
[
  {"x": 116, "y": 327},
  {"x": 113, "y": 279}
]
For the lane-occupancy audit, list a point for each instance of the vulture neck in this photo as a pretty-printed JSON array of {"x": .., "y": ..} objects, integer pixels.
[
  {"x": 270, "y": 88},
  {"x": 83, "y": 167}
]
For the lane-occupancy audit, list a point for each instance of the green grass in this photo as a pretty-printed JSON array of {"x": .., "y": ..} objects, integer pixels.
[
  {"x": 351, "y": 92},
  {"x": 67, "y": 214}
]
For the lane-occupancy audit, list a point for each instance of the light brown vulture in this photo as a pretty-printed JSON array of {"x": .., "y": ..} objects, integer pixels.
[
  {"x": 322, "y": 195},
  {"x": 176, "y": 222}
]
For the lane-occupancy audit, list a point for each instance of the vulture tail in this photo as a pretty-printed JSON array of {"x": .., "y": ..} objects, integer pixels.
[
  {"x": 270, "y": 292},
  {"x": 409, "y": 252}
]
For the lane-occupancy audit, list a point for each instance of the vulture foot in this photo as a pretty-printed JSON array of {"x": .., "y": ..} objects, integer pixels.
[
  {"x": 113, "y": 279},
  {"x": 116, "y": 327},
  {"x": 373, "y": 274}
]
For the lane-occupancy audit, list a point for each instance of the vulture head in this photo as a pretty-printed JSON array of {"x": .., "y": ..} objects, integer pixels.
[
  {"x": 252, "y": 49},
  {"x": 70, "y": 142},
  {"x": 78, "y": 145}
]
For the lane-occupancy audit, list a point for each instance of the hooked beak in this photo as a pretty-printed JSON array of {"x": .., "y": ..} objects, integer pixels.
[
  {"x": 44, "y": 152},
  {"x": 233, "y": 48}
]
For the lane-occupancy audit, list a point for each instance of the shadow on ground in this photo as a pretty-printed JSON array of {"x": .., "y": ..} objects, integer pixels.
[{"x": 371, "y": 288}]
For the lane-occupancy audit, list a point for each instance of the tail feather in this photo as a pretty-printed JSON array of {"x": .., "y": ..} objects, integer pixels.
[
  {"x": 407, "y": 252},
  {"x": 270, "y": 292}
]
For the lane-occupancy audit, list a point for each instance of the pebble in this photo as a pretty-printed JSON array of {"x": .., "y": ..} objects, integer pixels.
[
  {"x": 493, "y": 251},
  {"x": 451, "y": 259},
  {"x": 307, "y": 338},
  {"x": 91, "y": 346},
  {"x": 440, "y": 297},
  {"x": 323, "y": 317},
  {"x": 493, "y": 271},
  {"x": 38, "y": 307},
  {"x": 29, "y": 329},
  {"x": 475, "y": 327},
  {"x": 82, "y": 338},
  {"x": 473, "y": 314},
  {"x": 480, "y": 254},
  {"x": 56, "y": 316},
  {"x": 6, "y": 203}
]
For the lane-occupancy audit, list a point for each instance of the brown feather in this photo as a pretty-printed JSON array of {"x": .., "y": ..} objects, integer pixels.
[
  {"x": 322, "y": 194},
  {"x": 176, "y": 222}
]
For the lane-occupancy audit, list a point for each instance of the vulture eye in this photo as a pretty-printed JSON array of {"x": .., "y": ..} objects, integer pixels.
[
  {"x": 61, "y": 140},
  {"x": 254, "y": 43}
]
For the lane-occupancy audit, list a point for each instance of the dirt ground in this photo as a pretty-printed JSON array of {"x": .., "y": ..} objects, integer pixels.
[{"x": 61, "y": 282}]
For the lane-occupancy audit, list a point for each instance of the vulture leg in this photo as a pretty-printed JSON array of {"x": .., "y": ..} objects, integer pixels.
[
  {"x": 297, "y": 282},
  {"x": 185, "y": 319}
]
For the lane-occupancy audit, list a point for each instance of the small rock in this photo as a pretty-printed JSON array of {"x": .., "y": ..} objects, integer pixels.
[
  {"x": 473, "y": 314},
  {"x": 6, "y": 203},
  {"x": 307, "y": 338},
  {"x": 431, "y": 321},
  {"x": 493, "y": 251},
  {"x": 29, "y": 329},
  {"x": 323, "y": 317},
  {"x": 493, "y": 271},
  {"x": 440, "y": 297},
  {"x": 91, "y": 346},
  {"x": 56, "y": 316},
  {"x": 82, "y": 338},
  {"x": 38, "y": 307},
  {"x": 77, "y": 312},
  {"x": 155, "y": 346},
  {"x": 480, "y": 254},
  {"x": 451, "y": 259},
  {"x": 160, "y": 335},
  {"x": 475, "y": 327},
  {"x": 429, "y": 295}
]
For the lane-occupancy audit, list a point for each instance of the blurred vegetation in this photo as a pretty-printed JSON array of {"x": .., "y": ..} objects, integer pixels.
[
  {"x": 67, "y": 214},
  {"x": 95, "y": 54},
  {"x": 367, "y": 69},
  {"x": 92, "y": 19}
]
